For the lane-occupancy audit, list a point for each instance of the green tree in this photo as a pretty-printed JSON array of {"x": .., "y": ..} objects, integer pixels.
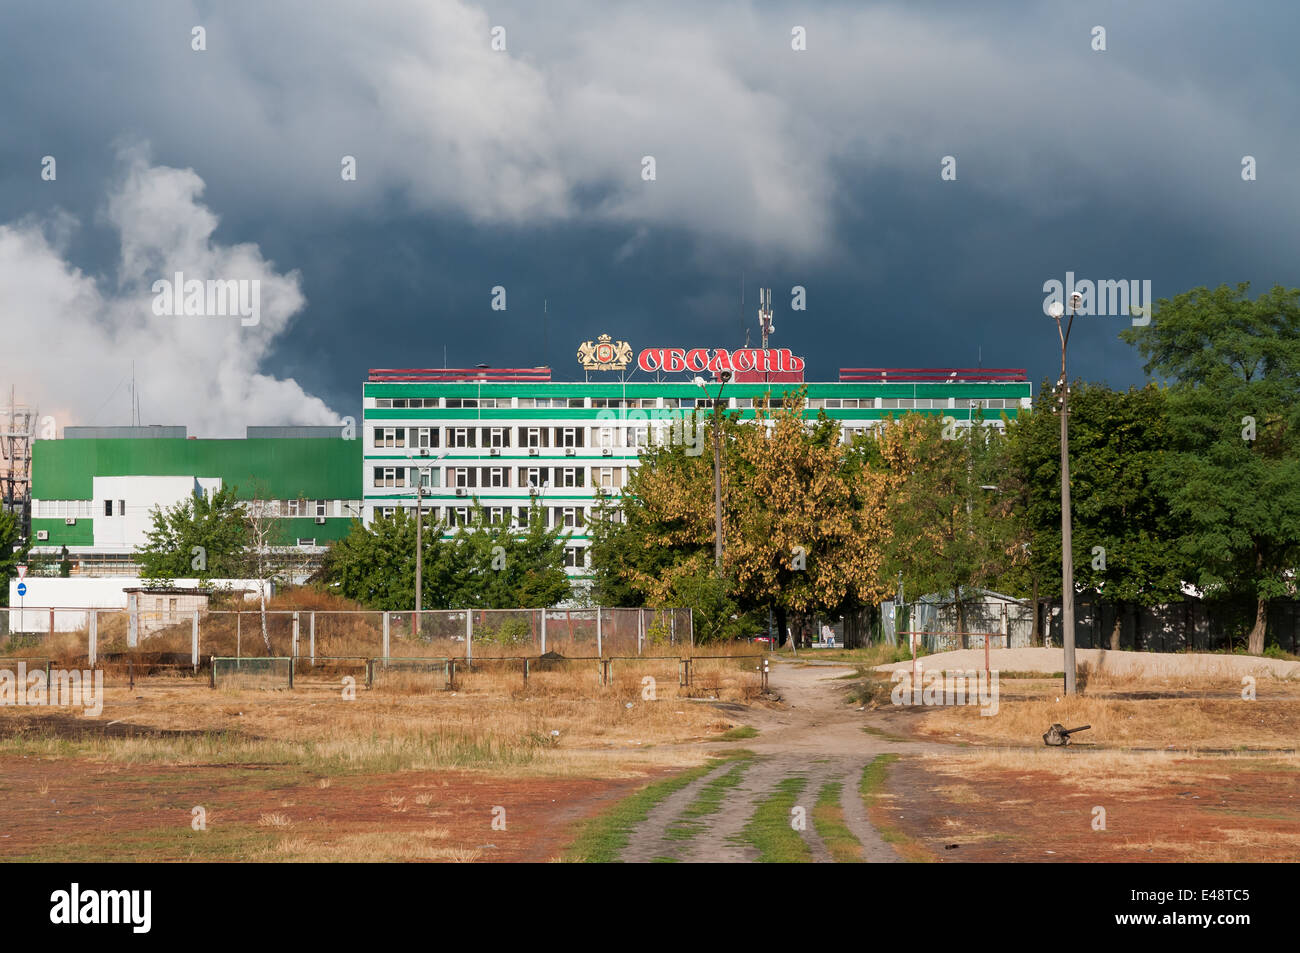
[
  {"x": 203, "y": 536},
  {"x": 1233, "y": 476},
  {"x": 484, "y": 565},
  {"x": 1124, "y": 533},
  {"x": 952, "y": 528},
  {"x": 12, "y": 552}
]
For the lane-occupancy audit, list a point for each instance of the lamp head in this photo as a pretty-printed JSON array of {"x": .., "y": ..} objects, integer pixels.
[{"x": 1056, "y": 309}]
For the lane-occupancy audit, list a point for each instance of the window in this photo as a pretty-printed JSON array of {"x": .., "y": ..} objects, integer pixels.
[
  {"x": 496, "y": 477},
  {"x": 386, "y": 476},
  {"x": 570, "y": 476},
  {"x": 121, "y": 507},
  {"x": 108, "y": 507},
  {"x": 573, "y": 557},
  {"x": 570, "y": 436},
  {"x": 383, "y": 402},
  {"x": 849, "y": 403},
  {"x": 609, "y": 478},
  {"x": 461, "y": 437},
  {"x": 425, "y": 438},
  {"x": 390, "y": 436},
  {"x": 526, "y": 402},
  {"x": 388, "y": 512},
  {"x": 294, "y": 506},
  {"x": 570, "y": 517},
  {"x": 638, "y": 436},
  {"x": 320, "y": 507},
  {"x": 462, "y": 476},
  {"x": 497, "y": 437},
  {"x": 496, "y": 514},
  {"x": 521, "y": 515},
  {"x": 832, "y": 403}
]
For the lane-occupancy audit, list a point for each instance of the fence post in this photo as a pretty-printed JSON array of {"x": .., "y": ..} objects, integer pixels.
[
  {"x": 469, "y": 634},
  {"x": 385, "y": 638},
  {"x": 133, "y": 610},
  {"x": 599, "y": 650},
  {"x": 543, "y": 631},
  {"x": 51, "y": 625},
  {"x": 92, "y": 647},
  {"x": 239, "y": 621},
  {"x": 311, "y": 636},
  {"x": 525, "y": 670},
  {"x": 293, "y": 646},
  {"x": 194, "y": 639},
  {"x": 640, "y": 624}
]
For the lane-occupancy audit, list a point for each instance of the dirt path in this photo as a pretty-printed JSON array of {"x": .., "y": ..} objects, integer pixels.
[{"x": 818, "y": 737}]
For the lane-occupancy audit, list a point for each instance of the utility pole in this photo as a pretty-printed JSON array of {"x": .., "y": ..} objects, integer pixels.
[{"x": 1067, "y": 543}]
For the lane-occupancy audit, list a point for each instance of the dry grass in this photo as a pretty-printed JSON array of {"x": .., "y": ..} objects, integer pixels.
[
  {"x": 425, "y": 845},
  {"x": 1223, "y": 722}
]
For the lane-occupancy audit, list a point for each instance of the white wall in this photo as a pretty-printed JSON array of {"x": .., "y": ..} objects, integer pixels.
[
  {"x": 71, "y": 596},
  {"x": 140, "y": 494}
]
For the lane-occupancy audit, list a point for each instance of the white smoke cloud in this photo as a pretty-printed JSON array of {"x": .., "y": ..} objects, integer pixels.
[{"x": 71, "y": 337}]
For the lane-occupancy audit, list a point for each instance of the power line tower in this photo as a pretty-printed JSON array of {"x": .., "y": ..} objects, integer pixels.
[
  {"x": 765, "y": 320},
  {"x": 19, "y": 423}
]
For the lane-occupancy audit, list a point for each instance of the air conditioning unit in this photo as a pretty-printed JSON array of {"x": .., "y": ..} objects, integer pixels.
[
  {"x": 607, "y": 452},
  {"x": 460, "y": 491},
  {"x": 424, "y": 451},
  {"x": 496, "y": 452},
  {"x": 569, "y": 451},
  {"x": 320, "y": 521},
  {"x": 70, "y": 521},
  {"x": 42, "y": 534},
  {"x": 532, "y": 451}
]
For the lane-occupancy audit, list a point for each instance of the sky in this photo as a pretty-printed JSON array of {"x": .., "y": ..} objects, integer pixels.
[{"x": 920, "y": 170}]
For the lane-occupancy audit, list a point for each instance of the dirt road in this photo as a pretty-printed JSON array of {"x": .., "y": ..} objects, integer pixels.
[{"x": 819, "y": 738}]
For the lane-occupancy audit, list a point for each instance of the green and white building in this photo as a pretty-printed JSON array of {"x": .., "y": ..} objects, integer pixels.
[
  {"x": 504, "y": 436},
  {"x": 509, "y": 436},
  {"x": 93, "y": 490}
]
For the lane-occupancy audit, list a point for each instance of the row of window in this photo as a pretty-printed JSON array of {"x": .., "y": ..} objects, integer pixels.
[
  {"x": 830, "y": 403},
  {"x": 419, "y": 438},
  {"x": 553, "y": 517},
  {"x": 610, "y": 478}
]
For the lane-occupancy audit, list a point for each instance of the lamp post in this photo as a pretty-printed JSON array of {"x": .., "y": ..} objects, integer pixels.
[
  {"x": 723, "y": 378},
  {"x": 419, "y": 534},
  {"x": 1057, "y": 311}
]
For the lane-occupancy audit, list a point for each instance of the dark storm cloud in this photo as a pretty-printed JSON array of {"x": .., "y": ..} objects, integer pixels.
[{"x": 817, "y": 168}]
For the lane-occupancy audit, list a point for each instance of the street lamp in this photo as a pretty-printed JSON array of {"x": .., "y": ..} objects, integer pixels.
[
  {"x": 1057, "y": 311},
  {"x": 723, "y": 378},
  {"x": 419, "y": 532}
]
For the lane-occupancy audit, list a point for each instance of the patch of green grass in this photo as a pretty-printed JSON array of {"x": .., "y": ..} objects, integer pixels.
[
  {"x": 880, "y": 733},
  {"x": 739, "y": 733},
  {"x": 769, "y": 830},
  {"x": 602, "y": 839},
  {"x": 1032, "y": 675},
  {"x": 869, "y": 787},
  {"x": 161, "y": 844},
  {"x": 708, "y": 801},
  {"x": 828, "y": 818}
]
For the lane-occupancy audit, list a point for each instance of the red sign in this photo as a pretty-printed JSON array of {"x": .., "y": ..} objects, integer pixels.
[
  {"x": 745, "y": 360},
  {"x": 22, "y": 571}
]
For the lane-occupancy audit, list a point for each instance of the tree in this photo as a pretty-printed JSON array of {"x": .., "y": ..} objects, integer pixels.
[
  {"x": 1232, "y": 477},
  {"x": 12, "y": 552},
  {"x": 951, "y": 526},
  {"x": 484, "y": 565},
  {"x": 1124, "y": 533},
  {"x": 202, "y": 536}
]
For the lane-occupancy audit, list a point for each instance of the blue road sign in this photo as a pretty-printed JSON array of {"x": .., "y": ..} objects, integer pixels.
[{"x": 22, "y": 588}]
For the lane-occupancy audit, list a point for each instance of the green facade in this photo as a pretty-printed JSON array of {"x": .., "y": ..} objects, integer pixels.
[{"x": 283, "y": 469}]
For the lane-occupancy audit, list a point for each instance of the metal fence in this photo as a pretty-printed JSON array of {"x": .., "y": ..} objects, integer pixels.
[
  {"x": 182, "y": 638},
  {"x": 1190, "y": 625}
]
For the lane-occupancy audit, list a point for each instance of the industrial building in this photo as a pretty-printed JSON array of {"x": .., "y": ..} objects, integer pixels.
[{"x": 507, "y": 437}]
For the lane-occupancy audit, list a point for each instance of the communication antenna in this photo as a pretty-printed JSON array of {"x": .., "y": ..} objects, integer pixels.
[{"x": 765, "y": 313}]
